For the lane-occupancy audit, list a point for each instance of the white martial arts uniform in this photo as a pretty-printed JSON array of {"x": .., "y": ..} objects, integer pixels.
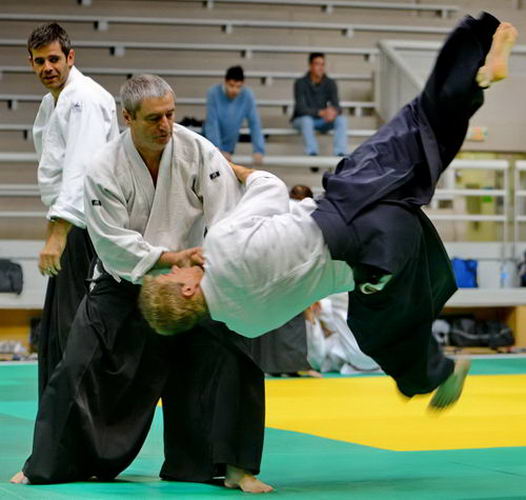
[
  {"x": 131, "y": 221},
  {"x": 66, "y": 135},
  {"x": 267, "y": 260},
  {"x": 95, "y": 415},
  {"x": 339, "y": 351}
]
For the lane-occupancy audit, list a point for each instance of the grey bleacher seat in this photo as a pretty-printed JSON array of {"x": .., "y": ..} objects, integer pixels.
[
  {"x": 31, "y": 213},
  {"x": 357, "y": 107},
  {"x": 265, "y": 76},
  {"x": 328, "y": 6},
  {"x": 26, "y": 129},
  {"x": 102, "y": 23},
  {"x": 295, "y": 161},
  {"x": 11, "y": 157},
  {"x": 12, "y": 190},
  {"x": 268, "y": 132},
  {"x": 118, "y": 48},
  {"x": 277, "y": 64}
]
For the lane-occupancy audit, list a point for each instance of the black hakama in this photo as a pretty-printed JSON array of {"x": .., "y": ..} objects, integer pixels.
[
  {"x": 96, "y": 411},
  {"x": 63, "y": 296},
  {"x": 371, "y": 215}
]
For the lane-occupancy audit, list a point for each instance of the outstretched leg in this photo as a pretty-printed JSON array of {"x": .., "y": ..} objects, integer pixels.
[
  {"x": 475, "y": 54},
  {"x": 369, "y": 215},
  {"x": 404, "y": 159}
]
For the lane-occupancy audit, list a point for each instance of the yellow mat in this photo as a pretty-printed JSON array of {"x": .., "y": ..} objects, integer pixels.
[{"x": 369, "y": 411}]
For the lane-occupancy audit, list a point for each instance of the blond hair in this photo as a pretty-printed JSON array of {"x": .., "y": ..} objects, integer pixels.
[{"x": 165, "y": 308}]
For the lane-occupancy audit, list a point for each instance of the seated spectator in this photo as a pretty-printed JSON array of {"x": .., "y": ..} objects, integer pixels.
[
  {"x": 227, "y": 105},
  {"x": 317, "y": 107}
]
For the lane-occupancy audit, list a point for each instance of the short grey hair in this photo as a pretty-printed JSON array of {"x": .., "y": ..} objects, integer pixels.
[{"x": 140, "y": 87}]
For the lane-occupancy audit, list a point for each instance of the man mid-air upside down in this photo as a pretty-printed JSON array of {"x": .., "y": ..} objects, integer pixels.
[{"x": 265, "y": 262}]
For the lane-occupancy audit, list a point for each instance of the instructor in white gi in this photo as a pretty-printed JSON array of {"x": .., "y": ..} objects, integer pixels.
[
  {"x": 149, "y": 194},
  {"x": 75, "y": 119}
]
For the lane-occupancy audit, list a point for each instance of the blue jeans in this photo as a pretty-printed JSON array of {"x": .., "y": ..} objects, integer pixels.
[{"x": 308, "y": 124}]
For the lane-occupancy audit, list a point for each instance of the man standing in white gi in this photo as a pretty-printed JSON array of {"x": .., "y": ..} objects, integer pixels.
[
  {"x": 148, "y": 194},
  {"x": 75, "y": 119}
]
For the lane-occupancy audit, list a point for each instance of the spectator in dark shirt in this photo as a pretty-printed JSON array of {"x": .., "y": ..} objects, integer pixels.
[{"x": 317, "y": 107}]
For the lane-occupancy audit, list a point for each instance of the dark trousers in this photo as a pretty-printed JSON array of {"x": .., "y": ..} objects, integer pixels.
[
  {"x": 283, "y": 350},
  {"x": 213, "y": 405},
  {"x": 393, "y": 326},
  {"x": 371, "y": 216},
  {"x": 451, "y": 95},
  {"x": 98, "y": 406},
  {"x": 63, "y": 296}
]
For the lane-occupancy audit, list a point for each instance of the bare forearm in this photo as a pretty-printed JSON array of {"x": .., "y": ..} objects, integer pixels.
[{"x": 58, "y": 227}]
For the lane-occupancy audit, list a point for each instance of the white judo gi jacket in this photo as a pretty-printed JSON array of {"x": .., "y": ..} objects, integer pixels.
[
  {"x": 66, "y": 136},
  {"x": 131, "y": 221},
  {"x": 267, "y": 260}
]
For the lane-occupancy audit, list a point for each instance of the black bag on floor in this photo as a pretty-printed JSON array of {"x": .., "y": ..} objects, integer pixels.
[
  {"x": 463, "y": 332},
  {"x": 11, "y": 278},
  {"x": 495, "y": 334},
  {"x": 467, "y": 332}
]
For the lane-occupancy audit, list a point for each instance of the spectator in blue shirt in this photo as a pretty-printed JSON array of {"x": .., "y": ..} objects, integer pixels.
[{"x": 227, "y": 105}]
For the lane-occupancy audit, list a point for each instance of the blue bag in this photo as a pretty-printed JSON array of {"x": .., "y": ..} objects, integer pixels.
[{"x": 465, "y": 272}]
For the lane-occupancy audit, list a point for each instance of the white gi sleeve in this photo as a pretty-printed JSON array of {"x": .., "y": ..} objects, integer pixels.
[
  {"x": 85, "y": 130},
  {"x": 123, "y": 251},
  {"x": 265, "y": 195}
]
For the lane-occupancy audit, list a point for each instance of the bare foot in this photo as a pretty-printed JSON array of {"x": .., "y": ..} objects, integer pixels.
[
  {"x": 239, "y": 478},
  {"x": 496, "y": 65},
  {"x": 449, "y": 391},
  {"x": 19, "y": 478}
]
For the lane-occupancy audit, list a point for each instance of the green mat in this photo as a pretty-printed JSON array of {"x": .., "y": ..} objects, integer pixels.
[{"x": 299, "y": 466}]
